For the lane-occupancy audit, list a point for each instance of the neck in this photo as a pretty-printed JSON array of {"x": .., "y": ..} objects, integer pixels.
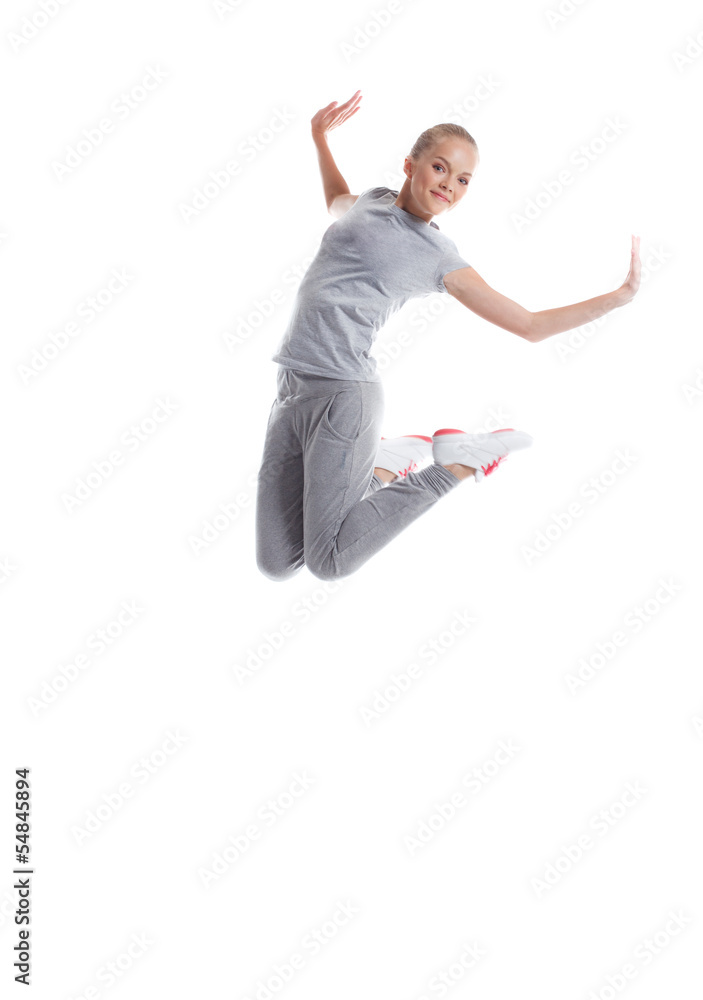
[{"x": 406, "y": 201}]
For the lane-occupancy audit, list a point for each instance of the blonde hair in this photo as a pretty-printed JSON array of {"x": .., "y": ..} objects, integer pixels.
[{"x": 431, "y": 136}]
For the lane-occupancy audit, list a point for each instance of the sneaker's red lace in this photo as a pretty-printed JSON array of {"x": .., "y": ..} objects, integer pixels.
[
  {"x": 487, "y": 469},
  {"x": 410, "y": 468}
]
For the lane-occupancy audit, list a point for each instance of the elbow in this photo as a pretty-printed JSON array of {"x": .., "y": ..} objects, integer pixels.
[{"x": 527, "y": 330}]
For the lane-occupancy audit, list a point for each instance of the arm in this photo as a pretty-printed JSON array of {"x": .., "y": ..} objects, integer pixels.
[
  {"x": 472, "y": 291},
  {"x": 332, "y": 181},
  {"x": 547, "y": 322},
  {"x": 321, "y": 123}
]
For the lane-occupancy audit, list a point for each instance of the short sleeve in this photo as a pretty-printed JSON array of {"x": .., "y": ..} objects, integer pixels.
[
  {"x": 451, "y": 261},
  {"x": 375, "y": 192}
]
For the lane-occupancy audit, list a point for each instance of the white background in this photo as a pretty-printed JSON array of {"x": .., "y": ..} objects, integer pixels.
[{"x": 532, "y": 88}]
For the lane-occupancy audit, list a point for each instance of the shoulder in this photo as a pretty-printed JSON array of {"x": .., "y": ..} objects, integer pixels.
[
  {"x": 378, "y": 194},
  {"x": 343, "y": 202}
]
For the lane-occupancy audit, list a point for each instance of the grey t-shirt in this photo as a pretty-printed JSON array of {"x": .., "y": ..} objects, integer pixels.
[{"x": 370, "y": 262}]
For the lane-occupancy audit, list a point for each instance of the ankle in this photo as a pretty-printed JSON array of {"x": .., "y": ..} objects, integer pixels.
[
  {"x": 460, "y": 471},
  {"x": 385, "y": 475}
]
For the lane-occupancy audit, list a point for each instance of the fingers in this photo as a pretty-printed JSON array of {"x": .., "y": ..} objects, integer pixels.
[
  {"x": 345, "y": 110},
  {"x": 347, "y": 114},
  {"x": 333, "y": 114},
  {"x": 354, "y": 97}
]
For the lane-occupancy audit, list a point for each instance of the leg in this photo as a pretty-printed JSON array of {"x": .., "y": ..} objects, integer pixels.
[
  {"x": 460, "y": 471},
  {"x": 279, "y": 497},
  {"x": 344, "y": 523},
  {"x": 280, "y": 551}
]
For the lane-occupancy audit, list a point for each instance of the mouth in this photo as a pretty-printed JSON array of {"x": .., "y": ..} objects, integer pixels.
[{"x": 440, "y": 196}]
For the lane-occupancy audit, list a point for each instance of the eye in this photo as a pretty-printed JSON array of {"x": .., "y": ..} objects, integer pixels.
[{"x": 441, "y": 167}]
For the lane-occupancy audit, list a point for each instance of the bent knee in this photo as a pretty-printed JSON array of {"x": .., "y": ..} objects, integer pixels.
[
  {"x": 276, "y": 572},
  {"x": 328, "y": 571}
]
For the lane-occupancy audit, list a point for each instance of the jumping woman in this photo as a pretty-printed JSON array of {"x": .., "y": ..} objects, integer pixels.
[{"x": 331, "y": 490}]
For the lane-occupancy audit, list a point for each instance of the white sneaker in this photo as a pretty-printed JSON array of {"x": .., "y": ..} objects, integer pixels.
[
  {"x": 402, "y": 455},
  {"x": 483, "y": 452}
]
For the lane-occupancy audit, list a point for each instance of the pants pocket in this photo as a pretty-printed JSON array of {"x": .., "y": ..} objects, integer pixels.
[
  {"x": 342, "y": 416},
  {"x": 283, "y": 384}
]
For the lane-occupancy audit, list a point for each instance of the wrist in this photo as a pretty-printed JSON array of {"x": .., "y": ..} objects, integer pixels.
[{"x": 621, "y": 296}]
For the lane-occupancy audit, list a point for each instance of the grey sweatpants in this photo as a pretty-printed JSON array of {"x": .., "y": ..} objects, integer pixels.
[{"x": 318, "y": 501}]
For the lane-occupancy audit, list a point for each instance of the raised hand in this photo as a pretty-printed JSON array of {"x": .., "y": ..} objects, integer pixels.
[
  {"x": 333, "y": 115},
  {"x": 631, "y": 283}
]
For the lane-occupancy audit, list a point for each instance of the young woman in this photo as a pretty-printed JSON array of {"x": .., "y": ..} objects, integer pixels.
[{"x": 331, "y": 491}]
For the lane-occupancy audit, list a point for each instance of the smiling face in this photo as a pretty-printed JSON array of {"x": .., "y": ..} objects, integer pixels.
[{"x": 438, "y": 181}]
